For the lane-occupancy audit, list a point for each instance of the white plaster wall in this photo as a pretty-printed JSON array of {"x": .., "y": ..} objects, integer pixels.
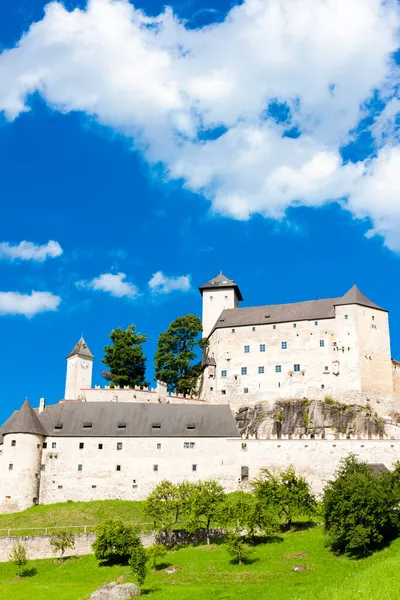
[
  {"x": 214, "y": 302},
  {"x": 79, "y": 375}
]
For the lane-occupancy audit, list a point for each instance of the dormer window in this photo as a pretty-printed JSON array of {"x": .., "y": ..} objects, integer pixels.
[
  {"x": 87, "y": 425},
  {"x": 121, "y": 425},
  {"x": 191, "y": 426},
  {"x": 156, "y": 426},
  {"x": 58, "y": 426}
]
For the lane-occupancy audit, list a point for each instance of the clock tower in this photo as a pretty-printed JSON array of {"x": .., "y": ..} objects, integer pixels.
[{"x": 79, "y": 370}]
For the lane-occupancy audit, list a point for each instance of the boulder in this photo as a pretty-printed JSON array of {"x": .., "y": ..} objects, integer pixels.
[{"x": 115, "y": 591}]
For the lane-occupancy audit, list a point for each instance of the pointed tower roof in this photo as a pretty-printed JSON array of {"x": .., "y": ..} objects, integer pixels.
[
  {"x": 355, "y": 296},
  {"x": 220, "y": 281},
  {"x": 81, "y": 349},
  {"x": 24, "y": 420}
]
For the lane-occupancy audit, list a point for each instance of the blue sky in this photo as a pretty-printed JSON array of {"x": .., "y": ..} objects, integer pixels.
[{"x": 264, "y": 145}]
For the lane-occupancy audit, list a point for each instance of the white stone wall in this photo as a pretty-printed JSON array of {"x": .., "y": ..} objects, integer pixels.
[{"x": 214, "y": 302}]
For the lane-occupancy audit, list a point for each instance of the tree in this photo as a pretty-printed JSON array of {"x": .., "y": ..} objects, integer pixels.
[
  {"x": 166, "y": 504},
  {"x": 361, "y": 507},
  {"x": 176, "y": 351},
  {"x": 138, "y": 561},
  {"x": 62, "y": 541},
  {"x": 237, "y": 547},
  {"x": 114, "y": 541},
  {"x": 154, "y": 553},
  {"x": 205, "y": 503},
  {"x": 125, "y": 357},
  {"x": 18, "y": 557},
  {"x": 288, "y": 492},
  {"x": 243, "y": 513}
]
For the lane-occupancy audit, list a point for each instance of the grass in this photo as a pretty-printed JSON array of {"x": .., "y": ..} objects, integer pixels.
[{"x": 207, "y": 572}]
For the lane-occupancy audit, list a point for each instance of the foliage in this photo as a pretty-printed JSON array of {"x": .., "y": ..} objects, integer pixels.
[
  {"x": 166, "y": 504},
  {"x": 237, "y": 547},
  {"x": 114, "y": 541},
  {"x": 361, "y": 508},
  {"x": 18, "y": 557},
  {"x": 62, "y": 541},
  {"x": 205, "y": 501},
  {"x": 176, "y": 351},
  {"x": 125, "y": 357},
  {"x": 243, "y": 512},
  {"x": 138, "y": 561},
  {"x": 154, "y": 553},
  {"x": 288, "y": 492}
]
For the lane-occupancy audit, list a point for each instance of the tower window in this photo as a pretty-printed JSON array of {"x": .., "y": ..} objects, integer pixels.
[
  {"x": 261, "y": 370},
  {"x": 223, "y": 373},
  {"x": 81, "y": 445},
  {"x": 244, "y": 370},
  {"x": 262, "y": 347},
  {"x": 80, "y": 468},
  {"x": 284, "y": 345},
  {"x": 278, "y": 368},
  {"x": 119, "y": 445},
  {"x": 13, "y": 443},
  {"x": 322, "y": 343},
  {"x": 296, "y": 368},
  {"x": 247, "y": 349}
]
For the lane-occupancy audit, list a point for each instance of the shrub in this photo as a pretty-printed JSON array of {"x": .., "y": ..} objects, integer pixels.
[
  {"x": 62, "y": 541},
  {"x": 236, "y": 546},
  {"x": 138, "y": 561},
  {"x": 114, "y": 541},
  {"x": 154, "y": 553},
  {"x": 18, "y": 557}
]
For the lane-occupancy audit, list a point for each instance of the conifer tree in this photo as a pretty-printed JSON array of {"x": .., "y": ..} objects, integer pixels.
[{"x": 125, "y": 357}]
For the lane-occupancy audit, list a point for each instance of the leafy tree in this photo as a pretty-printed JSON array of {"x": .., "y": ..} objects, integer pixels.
[
  {"x": 205, "y": 502},
  {"x": 114, "y": 541},
  {"x": 138, "y": 561},
  {"x": 176, "y": 351},
  {"x": 154, "y": 553},
  {"x": 18, "y": 557},
  {"x": 166, "y": 504},
  {"x": 244, "y": 513},
  {"x": 125, "y": 357},
  {"x": 237, "y": 547},
  {"x": 361, "y": 508},
  {"x": 62, "y": 541},
  {"x": 288, "y": 492}
]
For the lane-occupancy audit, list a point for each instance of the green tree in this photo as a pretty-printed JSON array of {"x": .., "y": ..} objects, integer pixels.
[
  {"x": 138, "y": 561},
  {"x": 125, "y": 357},
  {"x": 236, "y": 546},
  {"x": 62, "y": 541},
  {"x": 361, "y": 507},
  {"x": 176, "y": 350},
  {"x": 288, "y": 492},
  {"x": 243, "y": 513},
  {"x": 205, "y": 502},
  {"x": 154, "y": 553},
  {"x": 114, "y": 541},
  {"x": 18, "y": 557},
  {"x": 166, "y": 504}
]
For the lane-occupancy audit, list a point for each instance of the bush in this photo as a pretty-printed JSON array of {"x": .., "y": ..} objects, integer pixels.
[
  {"x": 154, "y": 553},
  {"x": 361, "y": 508},
  {"x": 138, "y": 561},
  {"x": 236, "y": 546},
  {"x": 114, "y": 541}
]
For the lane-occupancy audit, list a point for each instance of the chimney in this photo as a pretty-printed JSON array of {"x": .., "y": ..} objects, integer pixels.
[{"x": 42, "y": 404}]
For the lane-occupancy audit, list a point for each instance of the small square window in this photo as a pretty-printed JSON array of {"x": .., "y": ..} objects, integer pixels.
[
  {"x": 247, "y": 349},
  {"x": 43, "y": 467},
  {"x": 278, "y": 368},
  {"x": 284, "y": 345},
  {"x": 262, "y": 347},
  {"x": 80, "y": 467},
  {"x": 54, "y": 445},
  {"x": 316, "y": 323},
  {"x": 223, "y": 392},
  {"x": 81, "y": 445},
  {"x": 296, "y": 368},
  {"x": 119, "y": 445},
  {"x": 186, "y": 444},
  {"x": 155, "y": 467},
  {"x": 233, "y": 331},
  {"x": 373, "y": 318},
  {"x": 346, "y": 316},
  {"x": 253, "y": 328},
  {"x": 273, "y": 326},
  {"x": 295, "y": 325},
  {"x": 158, "y": 446},
  {"x": 322, "y": 387},
  {"x": 118, "y": 468},
  {"x": 94, "y": 487},
  {"x": 223, "y": 373},
  {"x": 10, "y": 467},
  {"x": 245, "y": 390},
  {"x": 100, "y": 446},
  {"x": 326, "y": 368},
  {"x": 13, "y": 442},
  {"x": 261, "y": 370},
  {"x": 44, "y": 445},
  {"x": 60, "y": 487},
  {"x": 334, "y": 344},
  {"x": 194, "y": 467},
  {"x": 244, "y": 370},
  {"x": 192, "y": 444},
  {"x": 322, "y": 343}
]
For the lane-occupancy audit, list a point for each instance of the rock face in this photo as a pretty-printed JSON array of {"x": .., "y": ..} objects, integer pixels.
[
  {"x": 299, "y": 418},
  {"x": 115, "y": 591}
]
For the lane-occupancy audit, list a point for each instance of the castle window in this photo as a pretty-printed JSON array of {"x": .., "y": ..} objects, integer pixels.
[
  {"x": 253, "y": 328},
  {"x": 278, "y": 368},
  {"x": 223, "y": 373},
  {"x": 156, "y": 426},
  {"x": 244, "y": 370},
  {"x": 295, "y": 325},
  {"x": 53, "y": 445},
  {"x": 118, "y": 468},
  {"x": 58, "y": 426},
  {"x": 261, "y": 370},
  {"x": 119, "y": 445},
  {"x": 284, "y": 345},
  {"x": 322, "y": 387},
  {"x": 121, "y": 425},
  {"x": 316, "y": 323},
  {"x": 334, "y": 344},
  {"x": 194, "y": 467},
  {"x": 192, "y": 445},
  {"x": 43, "y": 467},
  {"x": 346, "y": 316},
  {"x": 80, "y": 468},
  {"x": 44, "y": 445},
  {"x": 191, "y": 426},
  {"x": 322, "y": 343},
  {"x": 247, "y": 349},
  {"x": 226, "y": 297},
  {"x": 186, "y": 444},
  {"x": 94, "y": 487},
  {"x": 296, "y": 368},
  {"x": 211, "y": 297},
  {"x": 245, "y": 390},
  {"x": 87, "y": 425},
  {"x": 10, "y": 467},
  {"x": 233, "y": 331},
  {"x": 273, "y": 326},
  {"x": 100, "y": 446},
  {"x": 211, "y": 389},
  {"x": 59, "y": 487},
  {"x": 326, "y": 368},
  {"x": 13, "y": 443},
  {"x": 81, "y": 445},
  {"x": 223, "y": 392},
  {"x": 158, "y": 446},
  {"x": 155, "y": 467},
  {"x": 244, "y": 474},
  {"x": 262, "y": 347},
  {"x": 373, "y": 318}
]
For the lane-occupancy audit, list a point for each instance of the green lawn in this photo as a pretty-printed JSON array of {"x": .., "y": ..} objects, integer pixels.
[{"x": 206, "y": 572}]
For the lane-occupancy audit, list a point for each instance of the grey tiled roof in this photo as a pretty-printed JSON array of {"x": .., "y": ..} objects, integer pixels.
[
  {"x": 24, "y": 420},
  {"x": 220, "y": 281},
  {"x": 82, "y": 349},
  {"x": 112, "y": 419},
  {"x": 311, "y": 310}
]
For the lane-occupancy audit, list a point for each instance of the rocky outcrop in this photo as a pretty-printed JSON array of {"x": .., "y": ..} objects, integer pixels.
[
  {"x": 300, "y": 418},
  {"x": 115, "y": 591}
]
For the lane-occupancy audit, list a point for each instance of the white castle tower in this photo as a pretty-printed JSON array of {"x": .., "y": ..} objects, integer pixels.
[
  {"x": 79, "y": 370},
  {"x": 218, "y": 294}
]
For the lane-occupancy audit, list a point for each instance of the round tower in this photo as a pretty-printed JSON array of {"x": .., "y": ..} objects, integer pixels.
[{"x": 20, "y": 463}]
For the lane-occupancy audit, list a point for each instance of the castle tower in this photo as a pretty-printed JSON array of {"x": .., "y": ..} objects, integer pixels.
[
  {"x": 23, "y": 436},
  {"x": 218, "y": 294},
  {"x": 79, "y": 370}
]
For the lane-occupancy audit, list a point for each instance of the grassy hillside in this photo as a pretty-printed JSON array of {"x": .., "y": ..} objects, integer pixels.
[{"x": 206, "y": 571}]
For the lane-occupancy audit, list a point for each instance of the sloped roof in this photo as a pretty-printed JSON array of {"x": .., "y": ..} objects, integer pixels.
[
  {"x": 111, "y": 419},
  {"x": 81, "y": 349},
  {"x": 24, "y": 420},
  {"x": 220, "y": 281},
  {"x": 355, "y": 296}
]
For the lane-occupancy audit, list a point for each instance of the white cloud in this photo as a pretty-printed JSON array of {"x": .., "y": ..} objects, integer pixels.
[
  {"x": 163, "y": 84},
  {"x": 30, "y": 251},
  {"x": 13, "y": 303},
  {"x": 162, "y": 284},
  {"x": 116, "y": 285}
]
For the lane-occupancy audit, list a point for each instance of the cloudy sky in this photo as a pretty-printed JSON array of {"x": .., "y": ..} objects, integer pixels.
[{"x": 143, "y": 148}]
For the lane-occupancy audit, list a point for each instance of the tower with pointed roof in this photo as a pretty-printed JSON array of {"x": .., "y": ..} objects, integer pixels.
[
  {"x": 218, "y": 294},
  {"x": 79, "y": 370}
]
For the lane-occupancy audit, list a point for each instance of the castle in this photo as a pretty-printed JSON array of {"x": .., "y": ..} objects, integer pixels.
[{"x": 105, "y": 443}]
